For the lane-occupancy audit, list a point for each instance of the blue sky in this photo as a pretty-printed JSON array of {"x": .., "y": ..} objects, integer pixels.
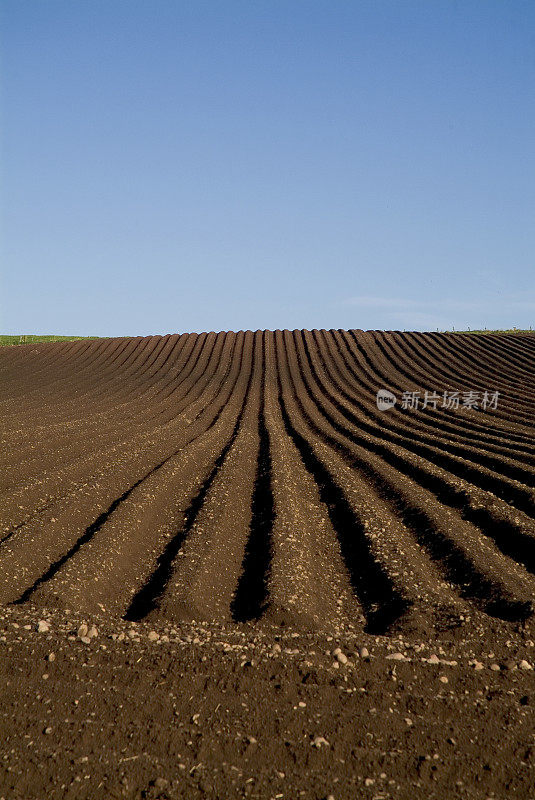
[{"x": 188, "y": 166}]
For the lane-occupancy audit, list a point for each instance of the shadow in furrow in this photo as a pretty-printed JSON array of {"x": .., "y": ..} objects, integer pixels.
[
  {"x": 146, "y": 599},
  {"x": 84, "y": 538},
  {"x": 381, "y": 603},
  {"x": 511, "y": 541},
  {"x": 460, "y": 570},
  {"x": 251, "y": 597},
  {"x": 443, "y": 459},
  {"x": 103, "y": 518},
  {"x": 456, "y": 566},
  {"x": 454, "y": 563},
  {"x": 506, "y": 536}
]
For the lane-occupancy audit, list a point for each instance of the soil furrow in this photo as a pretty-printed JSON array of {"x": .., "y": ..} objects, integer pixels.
[
  {"x": 251, "y": 479},
  {"x": 510, "y": 585}
]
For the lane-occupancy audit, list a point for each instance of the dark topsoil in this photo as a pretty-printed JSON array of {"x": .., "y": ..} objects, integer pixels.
[{"x": 209, "y": 711}]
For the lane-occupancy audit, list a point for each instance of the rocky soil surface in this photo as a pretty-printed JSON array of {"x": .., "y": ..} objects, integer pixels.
[{"x": 99, "y": 708}]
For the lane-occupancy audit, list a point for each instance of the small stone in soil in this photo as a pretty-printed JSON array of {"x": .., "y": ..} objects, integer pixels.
[{"x": 319, "y": 741}]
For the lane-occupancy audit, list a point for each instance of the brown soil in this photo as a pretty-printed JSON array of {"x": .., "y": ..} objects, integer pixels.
[{"x": 242, "y": 497}]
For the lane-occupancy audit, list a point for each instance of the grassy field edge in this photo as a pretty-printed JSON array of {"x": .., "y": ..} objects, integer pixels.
[{"x": 8, "y": 340}]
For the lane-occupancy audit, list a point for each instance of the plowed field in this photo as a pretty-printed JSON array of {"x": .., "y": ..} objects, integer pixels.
[
  {"x": 251, "y": 476},
  {"x": 233, "y": 491}
]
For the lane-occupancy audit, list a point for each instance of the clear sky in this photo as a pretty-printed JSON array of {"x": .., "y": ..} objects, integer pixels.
[{"x": 172, "y": 166}]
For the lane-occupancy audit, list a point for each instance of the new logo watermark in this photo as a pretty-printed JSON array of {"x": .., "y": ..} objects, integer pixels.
[
  {"x": 385, "y": 400},
  {"x": 473, "y": 399}
]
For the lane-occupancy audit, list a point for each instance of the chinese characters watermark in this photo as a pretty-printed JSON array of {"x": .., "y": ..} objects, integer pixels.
[{"x": 412, "y": 401}]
